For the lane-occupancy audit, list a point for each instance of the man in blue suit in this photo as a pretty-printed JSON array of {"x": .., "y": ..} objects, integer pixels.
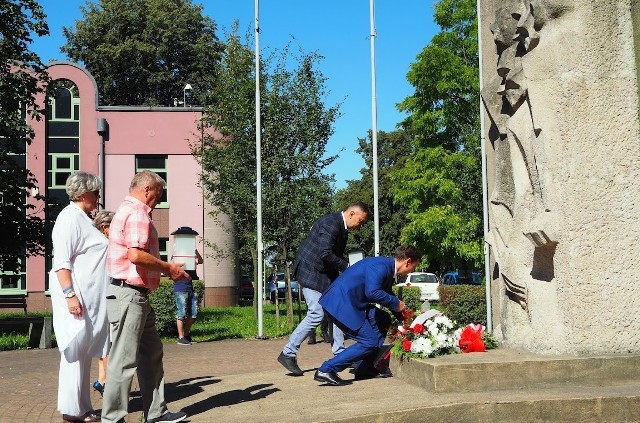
[
  {"x": 349, "y": 303},
  {"x": 319, "y": 261}
]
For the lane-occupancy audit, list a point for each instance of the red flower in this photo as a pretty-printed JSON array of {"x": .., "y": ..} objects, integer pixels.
[
  {"x": 406, "y": 345},
  {"x": 418, "y": 328},
  {"x": 471, "y": 339},
  {"x": 407, "y": 314}
]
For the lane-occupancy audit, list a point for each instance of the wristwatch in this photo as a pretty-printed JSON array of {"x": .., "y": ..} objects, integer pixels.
[{"x": 69, "y": 294}]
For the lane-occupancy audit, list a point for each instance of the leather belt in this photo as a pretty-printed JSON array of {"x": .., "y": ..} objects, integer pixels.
[{"x": 122, "y": 283}]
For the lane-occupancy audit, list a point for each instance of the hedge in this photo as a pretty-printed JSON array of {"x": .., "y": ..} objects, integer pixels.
[
  {"x": 464, "y": 303},
  {"x": 410, "y": 295},
  {"x": 164, "y": 305}
]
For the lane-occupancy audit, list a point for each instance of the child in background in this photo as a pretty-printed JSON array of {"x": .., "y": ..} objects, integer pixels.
[
  {"x": 187, "y": 305},
  {"x": 102, "y": 221}
]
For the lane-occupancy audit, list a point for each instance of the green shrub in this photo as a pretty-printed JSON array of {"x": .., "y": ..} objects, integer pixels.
[
  {"x": 164, "y": 304},
  {"x": 13, "y": 341},
  {"x": 464, "y": 303},
  {"x": 410, "y": 295}
]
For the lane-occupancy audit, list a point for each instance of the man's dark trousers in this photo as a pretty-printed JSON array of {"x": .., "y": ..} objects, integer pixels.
[{"x": 369, "y": 338}]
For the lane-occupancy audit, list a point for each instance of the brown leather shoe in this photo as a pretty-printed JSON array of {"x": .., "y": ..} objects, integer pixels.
[{"x": 90, "y": 416}]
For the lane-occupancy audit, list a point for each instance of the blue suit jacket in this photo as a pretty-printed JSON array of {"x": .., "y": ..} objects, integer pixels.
[
  {"x": 319, "y": 260},
  {"x": 368, "y": 281}
]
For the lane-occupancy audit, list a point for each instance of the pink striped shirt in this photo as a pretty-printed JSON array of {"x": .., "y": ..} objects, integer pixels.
[{"x": 132, "y": 227}]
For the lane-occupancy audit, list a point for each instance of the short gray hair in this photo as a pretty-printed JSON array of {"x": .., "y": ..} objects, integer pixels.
[
  {"x": 146, "y": 178},
  {"x": 103, "y": 218},
  {"x": 80, "y": 182}
]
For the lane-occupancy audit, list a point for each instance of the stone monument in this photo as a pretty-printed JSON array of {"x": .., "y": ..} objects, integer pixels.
[{"x": 561, "y": 99}]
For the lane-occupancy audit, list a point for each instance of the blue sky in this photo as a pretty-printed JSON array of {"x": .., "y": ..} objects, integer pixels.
[{"x": 339, "y": 31}]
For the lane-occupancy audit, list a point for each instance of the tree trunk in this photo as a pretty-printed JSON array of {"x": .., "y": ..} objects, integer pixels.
[{"x": 288, "y": 294}]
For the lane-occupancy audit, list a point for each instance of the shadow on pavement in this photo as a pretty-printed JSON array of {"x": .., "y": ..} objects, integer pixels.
[
  {"x": 236, "y": 396},
  {"x": 175, "y": 391}
]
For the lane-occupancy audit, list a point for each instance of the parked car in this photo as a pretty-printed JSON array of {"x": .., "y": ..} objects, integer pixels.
[
  {"x": 452, "y": 278},
  {"x": 427, "y": 282},
  {"x": 246, "y": 289},
  {"x": 271, "y": 288}
]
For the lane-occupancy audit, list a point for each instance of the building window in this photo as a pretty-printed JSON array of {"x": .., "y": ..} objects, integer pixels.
[
  {"x": 14, "y": 281},
  {"x": 157, "y": 164},
  {"x": 62, "y": 165},
  {"x": 62, "y": 146},
  {"x": 164, "y": 252},
  {"x": 63, "y": 102}
]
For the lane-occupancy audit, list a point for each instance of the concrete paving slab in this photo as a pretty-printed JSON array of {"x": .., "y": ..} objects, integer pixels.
[{"x": 240, "y": 380}]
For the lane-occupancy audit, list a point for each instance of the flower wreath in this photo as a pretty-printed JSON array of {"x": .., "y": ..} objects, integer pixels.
[{"x": 433, "y": 334}]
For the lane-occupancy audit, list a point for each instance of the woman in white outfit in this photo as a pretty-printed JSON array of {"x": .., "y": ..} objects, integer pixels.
[{"x": 78, "y": 284}]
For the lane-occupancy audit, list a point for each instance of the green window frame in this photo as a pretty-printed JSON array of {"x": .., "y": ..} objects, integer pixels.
[
  {"x": 157, "y": 163},
  {"x": 62, "y": 165}
]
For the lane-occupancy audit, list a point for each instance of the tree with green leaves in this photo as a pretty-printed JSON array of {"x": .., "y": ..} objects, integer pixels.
[
  {"x": 441, "y": 184},
  {"x": 145, "y": 52},
  {"x": 296, "y": 126},
  {"x": 393, "y": 150},
  {"x": 23, "y": 79}
]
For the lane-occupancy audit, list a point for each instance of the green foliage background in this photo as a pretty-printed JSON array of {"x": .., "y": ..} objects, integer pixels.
[
  {"x": 22, "y": 79},
  {"x": 410, "y": 295},
  {"x": 440, "y": 185},
  {"x": 464, "y": 303},
  {"x": 144, "y": 52}
]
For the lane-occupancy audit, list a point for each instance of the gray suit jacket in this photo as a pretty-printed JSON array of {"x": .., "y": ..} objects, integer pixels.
[{"x": 320, "y": 257}]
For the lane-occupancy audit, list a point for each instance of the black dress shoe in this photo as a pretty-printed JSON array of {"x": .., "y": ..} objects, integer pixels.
[
  {"x": 330, "y": 378},
  {"x": 326, "y": 338},
  {"x": 362, "y": 375},
  {"x": 291, "y": 364},
  {"x": 90, "y": 416}
]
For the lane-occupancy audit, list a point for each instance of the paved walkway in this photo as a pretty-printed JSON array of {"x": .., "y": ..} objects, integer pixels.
[
  {"x": 223, "y": 381},
  {"x": 240, "y": 381}
]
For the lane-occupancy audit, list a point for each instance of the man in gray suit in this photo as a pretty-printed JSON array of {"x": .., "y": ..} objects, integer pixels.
[{"x": 319, "y": 262}]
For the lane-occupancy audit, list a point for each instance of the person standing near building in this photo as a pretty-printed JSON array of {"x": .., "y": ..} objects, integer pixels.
[
  {"x": 186, "y": 304},
  {"x": 319, "y": 261},
  {"x": 134, "y": 264},
  {"x": 78, "y": 284}
]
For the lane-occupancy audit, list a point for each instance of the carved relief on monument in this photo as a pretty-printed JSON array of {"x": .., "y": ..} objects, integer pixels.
[{"x": 518, "y": 201}]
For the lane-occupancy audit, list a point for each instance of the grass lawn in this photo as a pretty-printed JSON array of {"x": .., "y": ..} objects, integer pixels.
[{"x": 212, "y": 324}]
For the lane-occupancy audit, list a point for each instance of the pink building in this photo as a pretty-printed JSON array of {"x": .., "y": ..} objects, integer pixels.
[{"x": 115, "y": 142}]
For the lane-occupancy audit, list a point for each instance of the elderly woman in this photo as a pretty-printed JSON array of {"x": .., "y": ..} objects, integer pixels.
[
  {"x": 78, "y": 284},
  {"x": 102, "y": 221}
]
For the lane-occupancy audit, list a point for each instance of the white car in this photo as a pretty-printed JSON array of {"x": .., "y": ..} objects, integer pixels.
[{"x": 427, "y": 282}]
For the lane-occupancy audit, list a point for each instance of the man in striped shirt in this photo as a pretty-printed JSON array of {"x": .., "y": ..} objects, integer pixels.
[{"x": 134, "y": 264}]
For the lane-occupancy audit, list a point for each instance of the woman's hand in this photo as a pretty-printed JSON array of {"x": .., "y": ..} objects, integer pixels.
[{"x": 74, "y": 306}]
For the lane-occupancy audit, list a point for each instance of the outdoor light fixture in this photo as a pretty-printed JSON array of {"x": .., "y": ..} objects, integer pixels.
[
  {"x": 184, "y": 94},
  {"x": 184, "y": 247}
]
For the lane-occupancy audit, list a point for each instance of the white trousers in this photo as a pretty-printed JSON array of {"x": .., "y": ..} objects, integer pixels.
[{"x": 74, "y": 386}]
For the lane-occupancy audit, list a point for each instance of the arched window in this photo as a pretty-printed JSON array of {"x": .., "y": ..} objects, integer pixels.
[
  {"x": 62, "y": 146},
  {"x": 63, "y": 102}
]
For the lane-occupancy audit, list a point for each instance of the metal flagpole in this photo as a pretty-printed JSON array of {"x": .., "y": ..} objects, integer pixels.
[
  {"x": 374, "y": 130},
  {"x": 485, "y": 189},
  {"x": 259, "y": 245}
]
